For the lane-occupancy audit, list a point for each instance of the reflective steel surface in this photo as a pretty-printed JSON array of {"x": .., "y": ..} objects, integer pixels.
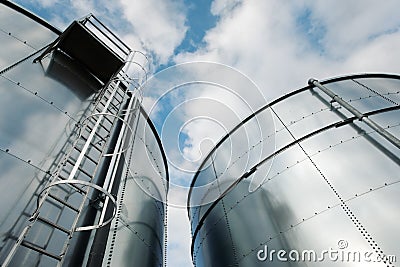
[
  {"x": 48, "y": 112},
  {"x": 326, "y": 196}
]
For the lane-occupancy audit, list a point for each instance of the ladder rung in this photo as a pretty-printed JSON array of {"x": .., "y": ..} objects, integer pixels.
[
  {"x": 113, "y": 106},
  {"x": 96, "y": 147},
  {"x": 117, "y": 99},
  {"x": 73, "y": 185},
  {"x": 110, "y": 107},
  {"x": 108, "y": 91},
  {"x": 109, "y": 120},
  {"x": 112, "y": 113},
  {"x": 107, "y": 98},
  {"x": 40, "y": 250},
  {"x": 89, "y": 129},
  {"x": 54, "y": 203},
  {"x": 63, "y": 189},
  {"x": 59, "y": 227},
  {"x": 92, "y": 123},
  {"x": 63, "y": 202},
  {"x": 110, "y": 88},
  {"x": 118, "y": 92},
  {"x": 86, "y": 155},
  {"x": 80, "y": 169},
  {"x": 121, "y": 92}
]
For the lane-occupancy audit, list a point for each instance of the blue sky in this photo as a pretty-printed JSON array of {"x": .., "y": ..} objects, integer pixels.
[
  {"x": 314, "y": 30},
  {"x": 199, "y": 21},
  {"x": 277, "y": 44}
]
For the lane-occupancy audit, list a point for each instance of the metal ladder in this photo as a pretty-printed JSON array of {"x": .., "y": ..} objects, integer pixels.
[{"x": 60, "y": 204}]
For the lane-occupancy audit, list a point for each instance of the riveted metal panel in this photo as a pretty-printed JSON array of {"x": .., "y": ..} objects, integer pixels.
[{"x": 332, "y": 185}]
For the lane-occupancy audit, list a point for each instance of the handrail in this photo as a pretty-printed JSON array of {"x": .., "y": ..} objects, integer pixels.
[
  {"x": 278, "y": 100},
  {"x": 385, "y": 134},
  {"x": 254, "y": 168},
  {"x": 113, "y": 34},
  {"x": 111, "y": 40}
]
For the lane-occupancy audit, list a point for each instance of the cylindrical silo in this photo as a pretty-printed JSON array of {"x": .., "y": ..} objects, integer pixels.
[
  {"x": 83, "y": 175},
  {"x": 326, "y": 195}
]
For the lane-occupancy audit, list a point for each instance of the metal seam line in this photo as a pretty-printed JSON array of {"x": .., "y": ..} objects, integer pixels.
[
  {"x": 382, "y": 95},
  {"x": 388, "y": 136},
  {"x": 255, "y": 167},
  {"x": 278, "y": 100}
]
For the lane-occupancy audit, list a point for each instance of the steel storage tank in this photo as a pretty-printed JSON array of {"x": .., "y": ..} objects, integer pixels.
[
  {"x": 310, "y": 179},
  {"x": 83, "y": 175}
]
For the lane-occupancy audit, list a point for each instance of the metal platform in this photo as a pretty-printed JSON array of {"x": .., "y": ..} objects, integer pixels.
[
  {"x": 87, "y": 42},
  {"x": 79, "y": 43}
]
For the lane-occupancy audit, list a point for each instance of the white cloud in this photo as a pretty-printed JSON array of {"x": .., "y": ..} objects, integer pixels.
[
  {"x": 200, "y": 103},
  {"x": 83, "y": 6},
  {"x": 280, "y": 44},
  {"x": 352, "y": 25},
  {"x": 265, "y": 40},
  {"x": 159, "y": 24},
  {"x": 380, "y": 54},
  {"x": 223, "y": 7},
  {"x": 47, "y": 3}
]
